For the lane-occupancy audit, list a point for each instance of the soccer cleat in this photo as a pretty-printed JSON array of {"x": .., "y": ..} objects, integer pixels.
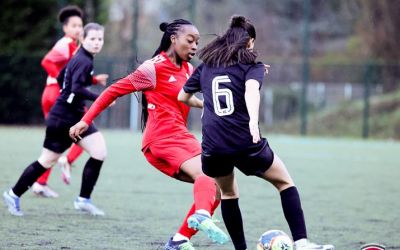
[
  {"x": 43, "y": 191},
  {"x": 65, "y": 169},
  {"x": 178, "y": 245},
  {"x": 205, "y": 224},
  {"x": 12, "y": 204},
  {"x": 305, "y": 244},
  {"x": 86, "y": 205}
]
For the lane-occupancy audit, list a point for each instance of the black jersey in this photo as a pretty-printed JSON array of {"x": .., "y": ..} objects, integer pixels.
[
  {"x": 78, "y": 73},
  {"x": 225, "y": 119}
]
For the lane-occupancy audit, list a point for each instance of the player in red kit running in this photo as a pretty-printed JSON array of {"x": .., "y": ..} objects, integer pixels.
[
  {"x": 53, "y": 62},
  {"x": 167, "y": 143}
]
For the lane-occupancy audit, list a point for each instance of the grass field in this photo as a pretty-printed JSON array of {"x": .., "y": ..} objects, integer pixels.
[{"x": 349, "y": 190}]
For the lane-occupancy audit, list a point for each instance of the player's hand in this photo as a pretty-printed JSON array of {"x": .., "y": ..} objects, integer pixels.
[
  {"x": 254, "y": 131},
  {"x": 76, "y": 130},
  {"x": 101, "y": 79},
  {"x": 266, "y": 69}
]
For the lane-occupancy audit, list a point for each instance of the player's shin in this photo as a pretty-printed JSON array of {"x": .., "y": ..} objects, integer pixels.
[
  {"x": 204, "y": 192},
  {"x": 293, "y": 212},
  {"x": 90, "y": 175},
  {"x": 234, "y": 223},
  {"x": 28, "y": 177}
]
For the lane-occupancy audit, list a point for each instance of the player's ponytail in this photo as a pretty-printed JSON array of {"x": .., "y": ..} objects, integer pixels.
[
  {"x": 169, "y": 29},
  {"x": 231, "y": 48}
]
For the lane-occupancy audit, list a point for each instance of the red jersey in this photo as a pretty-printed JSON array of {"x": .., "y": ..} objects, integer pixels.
[
  {"x": 55, "y": 60},
  {"x": 160, "y": 80}
]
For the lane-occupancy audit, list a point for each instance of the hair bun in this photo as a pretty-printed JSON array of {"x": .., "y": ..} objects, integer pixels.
[
  {"x": 238, "y": 21},
  {"x": 163, "y": 26}
]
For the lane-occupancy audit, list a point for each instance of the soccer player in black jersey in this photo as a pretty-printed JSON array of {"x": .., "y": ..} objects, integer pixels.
[
  {"x": 68, "y": 110},
  {"x": 230, "y": 80}
]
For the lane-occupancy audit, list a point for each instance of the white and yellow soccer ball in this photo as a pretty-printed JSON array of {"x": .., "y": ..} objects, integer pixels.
[{"x": 275, "y": 240}]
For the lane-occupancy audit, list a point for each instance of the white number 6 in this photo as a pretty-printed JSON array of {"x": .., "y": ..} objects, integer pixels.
[{"x": 218, "y": 92}]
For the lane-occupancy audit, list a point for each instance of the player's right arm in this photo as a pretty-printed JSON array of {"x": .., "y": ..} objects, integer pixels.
[
  {"x": 186, "y": 95},
  {"x": 143, "y": 78},
  {"x": 59, "y": 54}
]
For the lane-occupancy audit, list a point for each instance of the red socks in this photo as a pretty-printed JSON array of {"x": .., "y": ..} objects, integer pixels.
[
  {"x": 204, "y": 198},
  {"x": 74, "y": 152}
]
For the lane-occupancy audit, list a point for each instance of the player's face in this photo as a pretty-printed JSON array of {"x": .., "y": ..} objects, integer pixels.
[
  {"x": 73, "y": 28},
  {"x": 93, "y": 42},
  {"x": 185, "y": 42}
]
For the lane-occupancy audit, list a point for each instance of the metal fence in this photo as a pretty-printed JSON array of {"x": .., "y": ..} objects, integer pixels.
[{"x": 22, "y": 81}]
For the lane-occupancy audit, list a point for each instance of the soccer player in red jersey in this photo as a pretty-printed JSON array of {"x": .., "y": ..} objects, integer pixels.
[
  {"x": 167, "y": 143},
  {"x": 53, "y": 62}
]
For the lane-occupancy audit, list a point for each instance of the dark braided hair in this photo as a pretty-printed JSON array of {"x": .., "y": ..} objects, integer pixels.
[
  {"x": 169, "y": 29},
  {"x": 231, "y": 48},
  {"x": 69, "y": 11}
]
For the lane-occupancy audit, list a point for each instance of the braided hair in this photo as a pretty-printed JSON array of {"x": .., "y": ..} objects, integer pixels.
[{"x": 169, "y": 29}]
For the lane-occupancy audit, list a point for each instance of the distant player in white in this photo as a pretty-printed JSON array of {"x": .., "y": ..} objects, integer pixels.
[{"x": 230, "y": 80}]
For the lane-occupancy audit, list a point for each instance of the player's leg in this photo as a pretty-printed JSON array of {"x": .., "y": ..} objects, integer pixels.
[
  {"x": 27, "y": 178},
  {"x": 278, "y": 175},
  {"x": 94, "y": 144},
  {"x": 65, "y": 162},
  {"x": 205, "y": 194},
  {"x": 49, "y": 97},
  {"x": 231, "y": 211}
]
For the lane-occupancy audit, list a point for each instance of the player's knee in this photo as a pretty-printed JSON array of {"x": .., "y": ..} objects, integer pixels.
[
  {"x": 283, "y": 184},
  {"x": 99, "y": 153},
  {"x": 47, "y": 162}
]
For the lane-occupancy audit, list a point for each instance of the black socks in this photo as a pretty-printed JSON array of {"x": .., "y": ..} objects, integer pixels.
[
  {"x": 233, "y": 222},
  {"x": 90, "y": 175},
  {"x": 28, "y": 177},
  {"x": 293, "y": 212}
]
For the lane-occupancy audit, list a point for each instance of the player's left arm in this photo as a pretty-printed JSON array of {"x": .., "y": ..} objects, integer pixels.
[
  {"x": 252, "y": 98},
  {"x": 254, "y": 80}
]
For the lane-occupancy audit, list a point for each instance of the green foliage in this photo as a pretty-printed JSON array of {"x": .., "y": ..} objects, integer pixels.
[
  {"x": 21, "y": 83},
  {"x": 27, "y": 26},
  {"x": 346, "y": 120}
]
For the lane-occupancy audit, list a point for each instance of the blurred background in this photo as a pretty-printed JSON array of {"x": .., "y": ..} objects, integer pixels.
[{"x": 334, "y": 64}]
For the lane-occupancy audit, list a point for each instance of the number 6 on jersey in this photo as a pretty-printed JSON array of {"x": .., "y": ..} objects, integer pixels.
[{"x": 218, "y": 92}]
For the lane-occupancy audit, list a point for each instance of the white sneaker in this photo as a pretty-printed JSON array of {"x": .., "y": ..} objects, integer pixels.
[
  {"x": 305, "y": 244},
  {"x": 65, "y": 169},
  {"x": 12, "y": 204},
  {"x": 43, "y": 191},
  {"x": 86, "y": 205}
]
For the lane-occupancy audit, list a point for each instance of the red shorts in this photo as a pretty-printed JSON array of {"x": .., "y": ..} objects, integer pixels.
[
  {"x": 167, "y": 155},
  {"x": 49, "y": 97}
]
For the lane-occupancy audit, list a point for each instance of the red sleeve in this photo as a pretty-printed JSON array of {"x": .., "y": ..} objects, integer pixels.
[
  {"x": 58, "y": 56},
  {"x": 144, "y": 78},
  {"x": 50, "y": 67},
  {"x": 110, "y": 94}
]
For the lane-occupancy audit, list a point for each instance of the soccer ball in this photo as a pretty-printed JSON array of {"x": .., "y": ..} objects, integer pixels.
[{"x": 274, "y": 240}]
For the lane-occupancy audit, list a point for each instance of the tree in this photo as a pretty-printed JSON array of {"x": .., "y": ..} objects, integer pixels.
[{"x": 380, "y": 28}]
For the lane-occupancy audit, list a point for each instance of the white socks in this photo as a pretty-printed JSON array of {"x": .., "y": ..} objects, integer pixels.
[{"x": 204, "y": 212}]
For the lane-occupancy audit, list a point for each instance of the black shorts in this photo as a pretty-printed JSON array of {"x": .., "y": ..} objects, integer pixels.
[
  {"x": 57, "y": 134},
  {"x": 254, "y": 161}
]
